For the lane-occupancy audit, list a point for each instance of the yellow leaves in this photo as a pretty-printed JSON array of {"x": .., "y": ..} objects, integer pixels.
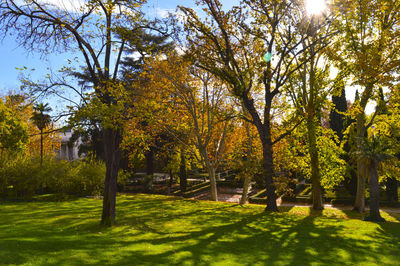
[{"x": 356, "y": 110}]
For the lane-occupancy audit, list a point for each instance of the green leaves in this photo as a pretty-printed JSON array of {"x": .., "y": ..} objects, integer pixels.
[
  {"x": 13, "y": 131},
  {"x": 39, "y": 117}
]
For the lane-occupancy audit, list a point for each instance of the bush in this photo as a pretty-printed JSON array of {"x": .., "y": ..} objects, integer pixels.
[
  {"x": 24, "y": 177},
  {"x": 81, "y": 178},
  {"x": 20, "y": 177}
]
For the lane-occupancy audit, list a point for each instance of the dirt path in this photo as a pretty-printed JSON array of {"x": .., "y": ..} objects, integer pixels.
[
  {"x": 342, "y": 207},
  {"x": 234, "y": 195}
]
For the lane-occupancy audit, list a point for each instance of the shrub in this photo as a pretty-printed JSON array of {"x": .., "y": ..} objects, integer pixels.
[
  {"x": 20, "y": 177},
  {"x": 24, "y": 177}
]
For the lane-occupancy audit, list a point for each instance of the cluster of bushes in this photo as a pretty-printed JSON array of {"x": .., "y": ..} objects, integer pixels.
[{"x": 25, "y": 177}]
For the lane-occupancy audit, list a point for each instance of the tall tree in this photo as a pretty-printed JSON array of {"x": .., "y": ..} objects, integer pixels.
[
  {"x": 310, "y": 95},
  {"x": 88, "y": 30},
  {"x": 370, "y": 52},
  {"x": 337, "y": 117},
  {"x": 198, "y": 96},
  {"x": 230, "y": 44},
  {"x": 374, "y": 152},
  {"x": 13, "y": 131},
  {"x": 41, "y": 120},
  {"x": 387, "y": 124},
  {"x": 141, "y": 45}
]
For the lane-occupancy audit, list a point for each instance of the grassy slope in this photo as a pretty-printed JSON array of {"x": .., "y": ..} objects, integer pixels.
[{"x": 157, "y": 230}]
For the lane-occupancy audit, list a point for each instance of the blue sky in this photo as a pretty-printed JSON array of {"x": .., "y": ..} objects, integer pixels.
[{"x": 13, "y": 57}]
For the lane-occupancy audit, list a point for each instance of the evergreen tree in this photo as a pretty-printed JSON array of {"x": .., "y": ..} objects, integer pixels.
[
  {"x": 337, "y": 118},
  {"x": 41, "y": 120}
]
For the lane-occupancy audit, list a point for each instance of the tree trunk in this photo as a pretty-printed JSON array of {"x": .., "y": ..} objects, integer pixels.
[
  {"x": 171, "y": 180},
  {"x": 351, "y": 183},
  {"x": 41, "y": 147},
  {"x": 148, "y": 186},
  {"x": 211, "y": 172},
  {"x": 112, "y": 140},
  {"x": 246, "y": 183},
  {"x": 213, "y": 182},
  {"x": 315, "y": 173},
  {"x": 392, "y": 190},
  {"x": 183, "y": 172},
  {"x": 247, "y": 176},
  {"x": 359, "y": 204},
  {"x": 268, "y": 167},
  {"x": 150, "y": 161},
  {"x": 374, "y": 214}
]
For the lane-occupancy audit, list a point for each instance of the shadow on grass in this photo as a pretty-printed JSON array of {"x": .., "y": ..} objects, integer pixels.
[
  {"x": 154, "y": 230},
  {"x": 395, "y": 216}
]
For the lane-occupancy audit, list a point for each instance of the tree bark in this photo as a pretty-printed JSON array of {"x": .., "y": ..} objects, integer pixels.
[
  {"x": 359, "y": 204},
  {"x": 264, "y": 133},
  {"x": 150, "y": 161},
  {"x": 183, "y": 172},
  {"x": 112, "y": 140},
  {"x": 245, "y": 191},
  {"x": 315, "y": 173},
  {"x": 247, "y": 176},
  {"x": 171, "y": 180},
  {"x": 213, "y": 183},
  {"x": 148, "y": 186},
  {"x": 374, "y": 214},
  {"x": 392, "y": 190},
  {"x": 210, "y": 171},
  {"x": 268, "y": 167}
]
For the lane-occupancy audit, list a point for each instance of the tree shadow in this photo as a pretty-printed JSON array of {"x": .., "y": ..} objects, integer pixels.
[
  {"x": 267, "y": 239},
  {"x": 171, "y": 231}
]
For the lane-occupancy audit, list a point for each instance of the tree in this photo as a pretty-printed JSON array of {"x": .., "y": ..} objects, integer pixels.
[
  {"x": 309, "y": 95},
  {"x": 89, "y": 31},
  {"x": 198, "y": 97},
  {"x": 374, "y": 152},
  {"x": 229, "y": 45},
  {"x": 337, "y": 118},
  {"x": 244, "y": 155},
  {"x": 142, "y": 45},
  {"x": 13, "y": 131},
  {"x": 387, "y": 125},
  {"x": 370, "y": 53},
  {"x": 42, "y": 121}
]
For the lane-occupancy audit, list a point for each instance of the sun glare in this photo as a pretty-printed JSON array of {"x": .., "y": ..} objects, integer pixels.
[{"x": 315, "y": 7}]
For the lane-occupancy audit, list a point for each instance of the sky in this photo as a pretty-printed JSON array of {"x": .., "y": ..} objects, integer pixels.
[{"x": 14, "y": 57}]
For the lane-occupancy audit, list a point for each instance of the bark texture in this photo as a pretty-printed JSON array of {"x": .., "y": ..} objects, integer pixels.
[
  {"x": 112, "y": 139},
  {"x": 268, "y": 167},
  {"x": 245, "y": 191},
  {"x": 183, "y": 172},
  {"x": 359, "y": 204},
  {"x": 315, "y": 172},
  {"x": 211, "y": 173},
  {"x": 374, "y": 214}
]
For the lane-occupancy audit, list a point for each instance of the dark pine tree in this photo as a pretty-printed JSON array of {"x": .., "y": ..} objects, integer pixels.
[{"x": 337, "y": 118}]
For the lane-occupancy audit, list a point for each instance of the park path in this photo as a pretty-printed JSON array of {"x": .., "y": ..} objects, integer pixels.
[
  {"x": 233, "y": 195},
  {"x": 337, "y": 207}
]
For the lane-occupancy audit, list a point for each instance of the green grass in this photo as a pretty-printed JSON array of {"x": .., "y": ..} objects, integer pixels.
[{"x": 154, "y": 230}]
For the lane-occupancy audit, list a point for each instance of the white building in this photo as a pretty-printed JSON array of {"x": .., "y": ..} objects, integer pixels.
[{"x": 67, "y": 151}]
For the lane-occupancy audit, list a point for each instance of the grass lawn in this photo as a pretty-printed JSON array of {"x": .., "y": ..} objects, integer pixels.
[{"x": 154, "y": 230}]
